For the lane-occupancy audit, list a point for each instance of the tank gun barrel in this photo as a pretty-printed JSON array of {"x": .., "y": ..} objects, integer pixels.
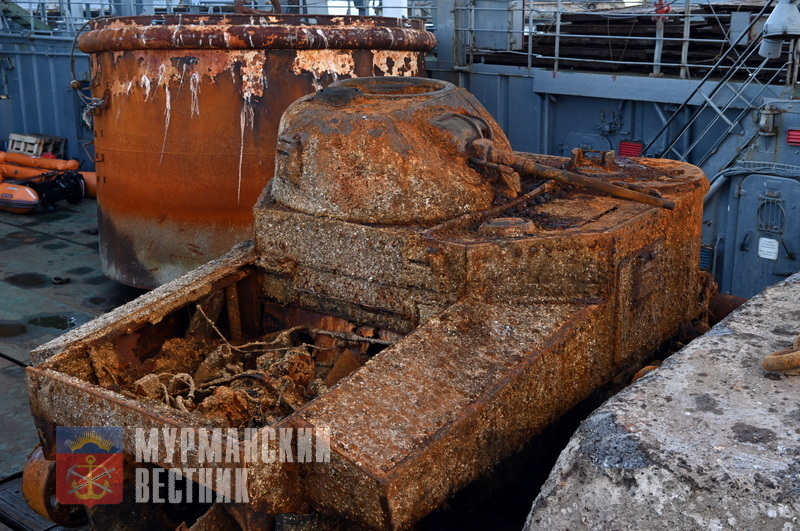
[{"x": 485, "y": 150}]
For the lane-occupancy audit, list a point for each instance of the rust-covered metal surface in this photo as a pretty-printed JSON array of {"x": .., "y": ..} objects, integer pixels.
[
  {"x": 188, "y": 117},
  {"x": 390, "y": 145},
  {"x": 452, "y": 341}
]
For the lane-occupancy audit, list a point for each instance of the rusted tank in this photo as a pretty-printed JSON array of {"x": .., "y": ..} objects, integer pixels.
[
  {"x": 186, "y": 116},
  {"x": 431, "y": 344}
]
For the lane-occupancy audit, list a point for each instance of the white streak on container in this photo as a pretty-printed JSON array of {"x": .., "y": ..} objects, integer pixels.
[
  {"x": 145, "y": 82},
  {"x": 194, "y": 87},
  {"x": 246, "y": 119},
  {"x": 324, "y": 37},
  {"x": 180, "y": 80},
  {"x": 167, "y": 113}
]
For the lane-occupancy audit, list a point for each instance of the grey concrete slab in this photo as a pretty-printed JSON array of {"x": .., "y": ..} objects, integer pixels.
[
  {"x": 708, "y": 441},
  {"x": 19, "y": 433}
]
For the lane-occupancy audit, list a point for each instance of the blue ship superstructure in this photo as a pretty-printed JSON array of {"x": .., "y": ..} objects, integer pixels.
[{"x": 712, "y": 84}]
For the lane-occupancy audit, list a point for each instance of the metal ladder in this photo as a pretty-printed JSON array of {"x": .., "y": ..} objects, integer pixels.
[
  {"x": 12, "y": 12},
  {"x": 722, "y": 105}
]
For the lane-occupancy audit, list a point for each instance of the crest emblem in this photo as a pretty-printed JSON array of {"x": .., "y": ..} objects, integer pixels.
[{"x": 88, "y": 465}]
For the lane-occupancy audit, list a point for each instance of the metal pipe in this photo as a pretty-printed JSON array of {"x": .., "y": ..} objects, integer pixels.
[
  {"x": 528, "y": 25},
  {"x": 659, "y": 48},
  {"x": 686, "y": 34},
  {"x": 471, "y": 23},
  {"x": 714, "y": 188},
  {"x": 472, "y": 218},
  {"x": 611, "y": 37},
  {"x": 645, "y": 63},
  {"x": 544, "y": 142},
  {"x": 663, "y": 119},
  {"x": 26, "y": 38},
  {"x": 558, "y": 36},
  {"x": 528, "y": 167}
]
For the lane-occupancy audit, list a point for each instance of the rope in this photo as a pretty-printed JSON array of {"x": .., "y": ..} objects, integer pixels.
[
  {"x": 90, "y": 103},
  {"x": 786, "y": 360}
]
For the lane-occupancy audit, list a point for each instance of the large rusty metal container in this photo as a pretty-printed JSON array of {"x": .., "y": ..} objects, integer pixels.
[
  {"x": 477, "y": 327},
  {"x": 185, "y": 132}
]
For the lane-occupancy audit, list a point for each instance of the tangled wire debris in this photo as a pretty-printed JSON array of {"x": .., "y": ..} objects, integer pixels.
[{"x": 251, "y": 384}]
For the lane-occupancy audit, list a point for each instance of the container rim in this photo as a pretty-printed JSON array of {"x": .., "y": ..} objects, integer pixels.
[
  {"x": 266, "y": 19},
  {"x": 240, "y": 31}
]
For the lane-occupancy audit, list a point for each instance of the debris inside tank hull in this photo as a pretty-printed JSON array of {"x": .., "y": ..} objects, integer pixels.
[{"x": 246, "y": 384}]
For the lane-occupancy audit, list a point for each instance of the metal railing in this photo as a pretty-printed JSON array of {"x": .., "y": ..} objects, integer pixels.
[
  {"x": 65, "y": 16},
  {"x": 613, "y": 35},
  {"x": 50, "y": 17}
]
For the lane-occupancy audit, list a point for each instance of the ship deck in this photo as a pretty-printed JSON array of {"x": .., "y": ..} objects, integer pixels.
[{"x": 50, "y": 282}]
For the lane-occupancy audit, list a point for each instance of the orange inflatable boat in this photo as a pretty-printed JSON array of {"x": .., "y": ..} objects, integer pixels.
[
  {"x": 18, "y": 198},
  {"x": 29, "y": 182}
]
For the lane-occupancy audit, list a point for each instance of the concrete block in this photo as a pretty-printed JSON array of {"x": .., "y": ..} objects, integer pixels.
[{"x": 709, "y": 441}]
